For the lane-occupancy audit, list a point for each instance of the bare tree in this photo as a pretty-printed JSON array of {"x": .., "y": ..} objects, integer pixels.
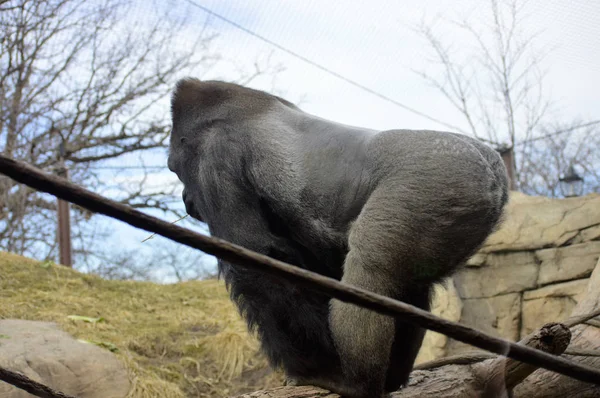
[
  {"x": 85, "y": 83},
  {"x": 165, "y": 262},
  {"x": 546, "y": 159},
  {"x": 495, "y": 80}
]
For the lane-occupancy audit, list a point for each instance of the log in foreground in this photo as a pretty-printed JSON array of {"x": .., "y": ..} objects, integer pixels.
[
  {"x": 63, "y": 189},
  {"x": 491, "y": 378}
]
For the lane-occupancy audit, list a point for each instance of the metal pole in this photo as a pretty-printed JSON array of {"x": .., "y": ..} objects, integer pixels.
[
  {"x": 509, "y": 161},
  {"x": 64, "y": 219}
]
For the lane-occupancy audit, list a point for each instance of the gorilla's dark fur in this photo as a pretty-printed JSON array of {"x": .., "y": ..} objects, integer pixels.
[{"x": 390, "y": 211}]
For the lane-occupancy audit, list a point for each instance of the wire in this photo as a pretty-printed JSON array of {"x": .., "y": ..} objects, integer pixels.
[
  {"x": 321, "y": 67},
  {"x": 127, "y": 167},
  {"x": 363, "y": 87},
  {"x": 559, "y": 132}
]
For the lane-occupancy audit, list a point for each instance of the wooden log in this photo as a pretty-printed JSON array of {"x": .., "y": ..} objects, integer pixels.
[{"x": 292, "y": 392}]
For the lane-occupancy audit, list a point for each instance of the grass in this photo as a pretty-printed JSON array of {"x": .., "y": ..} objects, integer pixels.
[{"x": 178, "y": 340}]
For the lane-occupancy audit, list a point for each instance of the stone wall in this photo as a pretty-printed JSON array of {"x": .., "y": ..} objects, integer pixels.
[{"x": 529, "y": 272}]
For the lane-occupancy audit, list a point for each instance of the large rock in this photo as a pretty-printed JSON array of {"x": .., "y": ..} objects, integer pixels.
[
  {"x": 445, "y": 304},
  {"x": 534, "y": 222},
  {"x": 50, "y": 356},
  {"x": 502, "y": 273},
  {"x": 542, "y": 242},
  {"x": 552, "y": 303},
  {"x": 498, "y": 316},
  {"x": 567, "y": 263}
]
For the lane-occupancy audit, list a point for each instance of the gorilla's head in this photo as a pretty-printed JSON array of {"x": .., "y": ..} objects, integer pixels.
[{"x": 203, "y": 111}]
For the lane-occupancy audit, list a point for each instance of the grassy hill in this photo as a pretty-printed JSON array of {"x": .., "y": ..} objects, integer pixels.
[{"x": 178, "y": 340}]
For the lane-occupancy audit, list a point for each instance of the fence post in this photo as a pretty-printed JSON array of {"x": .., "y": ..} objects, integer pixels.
[
  {"x": 507, "y": 154},
  {"x": 64, "y": 218}
]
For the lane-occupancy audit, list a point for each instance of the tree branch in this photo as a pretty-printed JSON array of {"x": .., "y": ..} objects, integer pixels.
[
  {"x": 26, "y": 174},
  {"x": 31, "y": 386}
]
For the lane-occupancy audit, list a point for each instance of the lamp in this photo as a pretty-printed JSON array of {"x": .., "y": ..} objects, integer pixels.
[{"x": 571, "y": 183}]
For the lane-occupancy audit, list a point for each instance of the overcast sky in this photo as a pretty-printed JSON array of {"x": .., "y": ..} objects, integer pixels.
[{"x": 372, "y": 44}]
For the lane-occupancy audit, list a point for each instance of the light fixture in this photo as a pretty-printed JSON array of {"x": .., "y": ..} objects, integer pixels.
[{"x": 571, "y": 183}]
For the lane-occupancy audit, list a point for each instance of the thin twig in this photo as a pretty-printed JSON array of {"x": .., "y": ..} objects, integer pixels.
[
  {"x": 174, "y": 222},
  {"x": 468, "y": 358},
  {"x": 472, "y": 357},
  {"x": 66, "y": 190},
  {"x": 580, "y": 352},
  {"x": 31, "y": 386},
  {"x": 579, "y": 319}
]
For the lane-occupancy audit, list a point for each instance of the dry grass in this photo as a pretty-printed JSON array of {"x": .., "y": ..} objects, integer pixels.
[{"x": 179, "y": 340}]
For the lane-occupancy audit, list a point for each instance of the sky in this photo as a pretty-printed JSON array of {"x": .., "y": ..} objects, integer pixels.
[{"x": 373, "y": 44}]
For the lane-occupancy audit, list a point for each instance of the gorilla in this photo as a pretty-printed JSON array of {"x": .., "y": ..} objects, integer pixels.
[{"x": 393, "y": 212}]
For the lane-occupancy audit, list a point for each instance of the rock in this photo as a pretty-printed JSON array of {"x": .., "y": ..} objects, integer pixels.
[
  {"x": 533, "y": 222},
  {"x": 498, "y": 316},
  {"x": 445, "y": 304},
  {"x": 592, "y": 233},
  {"x": 542, "y": 241},
  {"x": 50, "y": 356},
  {"x": 477, "y": 260},
  {"x": 503, "y": 273},
  {"x": 569, "y": 262},
  {"x": 568, "y": 236},
  {"x": 553, "y": 303},
  {"x": 571, "y": 288}
]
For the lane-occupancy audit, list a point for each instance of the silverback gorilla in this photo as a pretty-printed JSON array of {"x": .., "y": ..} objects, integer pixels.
[{"x": 392, "y": 212}]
